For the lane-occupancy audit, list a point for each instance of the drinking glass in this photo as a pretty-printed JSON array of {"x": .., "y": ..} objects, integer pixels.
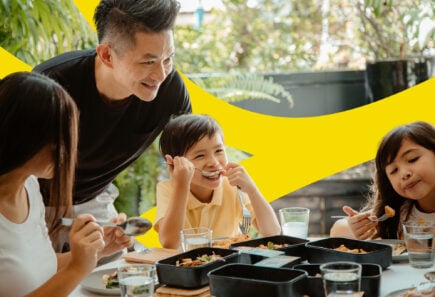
[
  {"x": 294, "y": 221},
  {"x": 419, "y": 239},
  {"x": 193, "y": 238},
  {"x": 136, "y": 280},
  {"x": 341, "y": 279}
]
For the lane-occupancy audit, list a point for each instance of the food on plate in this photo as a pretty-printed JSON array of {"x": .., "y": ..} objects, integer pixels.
[
  {"x": 201, "y": 260},
  {"x": 271, "y": 246},
  {"x": 225, "y": 243},
  {"x": 111, "y": 280},
  {"x": 423, "y": 290},
  {"x": 343, "y": 248},
  {"x": 389, "y": 211},
  {"x": 398, "y": 249}
]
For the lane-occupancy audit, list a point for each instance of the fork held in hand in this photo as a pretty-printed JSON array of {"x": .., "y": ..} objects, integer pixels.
[
  {"x": 380, "y": 219},
  {"x": 245, "y": 225}
]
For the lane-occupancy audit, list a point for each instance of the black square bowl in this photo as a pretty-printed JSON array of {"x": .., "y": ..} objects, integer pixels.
[
  {"x": 322, "y": 251},
  {"x": 235, "y": 280},
  {"x": 295, "y": 246},
  {"x": 370, "y": 279},
  {"x": 192, "y": 277}
]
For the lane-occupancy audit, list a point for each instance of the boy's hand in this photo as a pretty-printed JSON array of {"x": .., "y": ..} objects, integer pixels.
[
  {"x": 237, "y": 176},
  {"x": 180, "y": 169}
]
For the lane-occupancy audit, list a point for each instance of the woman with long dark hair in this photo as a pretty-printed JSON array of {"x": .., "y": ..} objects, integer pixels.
[{"x": 38, "y": 139}]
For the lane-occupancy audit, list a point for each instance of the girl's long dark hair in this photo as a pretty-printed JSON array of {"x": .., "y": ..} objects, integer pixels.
[
  {"x": 382, "y": 192},
  {"x": 35, "y": 111}
]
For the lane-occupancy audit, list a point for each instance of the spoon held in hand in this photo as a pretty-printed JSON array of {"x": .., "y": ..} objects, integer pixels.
[{"x": 133, "y": 226}]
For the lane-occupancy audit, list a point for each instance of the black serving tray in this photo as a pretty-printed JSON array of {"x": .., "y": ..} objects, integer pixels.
[
  {"x": 322, "y": 251},
  {"x": 370, "y": 279},
  {"x": 192, "y": 277},
  {"x": 296, "y": 246},
  {"x": 236, "y": 280}
]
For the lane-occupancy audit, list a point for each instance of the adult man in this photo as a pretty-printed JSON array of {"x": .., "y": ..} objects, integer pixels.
[{"x": 126, "y": 89}]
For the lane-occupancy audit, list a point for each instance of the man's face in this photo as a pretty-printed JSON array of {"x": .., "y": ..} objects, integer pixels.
[{"x": 140, "y": 70}]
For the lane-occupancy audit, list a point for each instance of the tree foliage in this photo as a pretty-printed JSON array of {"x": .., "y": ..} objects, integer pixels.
[
  {"x": 36, "y": 30},
  {"x": 272, "y": 36}
]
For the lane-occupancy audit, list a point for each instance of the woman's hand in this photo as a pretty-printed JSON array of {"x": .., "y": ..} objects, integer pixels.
[
  {"x": 114, "y": 238},
  {"x": 361, "y": 226},
  {"x": 86, "y": 240}
]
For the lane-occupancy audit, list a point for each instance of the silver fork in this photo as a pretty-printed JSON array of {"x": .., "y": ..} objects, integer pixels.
[
  {"x": 245, "y": 225},
  {"x": 380, "y": 219}
]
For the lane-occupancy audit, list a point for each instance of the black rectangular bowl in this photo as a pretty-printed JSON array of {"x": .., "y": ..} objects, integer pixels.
[
  {"x": 370, "y": 279},
  {"x": 235, "y": 280},
  {"x": 322, "y": 251},
  {"x": 296, "y": 246},
  {"x": 192, "y": 277}
]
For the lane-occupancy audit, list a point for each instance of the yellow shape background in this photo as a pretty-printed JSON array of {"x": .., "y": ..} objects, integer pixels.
[{"x": 290, "y": 153}]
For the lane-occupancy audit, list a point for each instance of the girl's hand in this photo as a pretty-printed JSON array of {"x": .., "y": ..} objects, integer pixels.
[
  {"x": 237, "y": 176},
  {"x": 181, "y": 170},
  {"x": 360, "y": 225},
  {"x": 86, "y": 240},
  {"x": 114, "y": 238}
]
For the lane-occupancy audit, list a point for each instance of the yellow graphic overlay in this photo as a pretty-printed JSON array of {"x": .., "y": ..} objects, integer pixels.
[{"x": 290, "y": 153}]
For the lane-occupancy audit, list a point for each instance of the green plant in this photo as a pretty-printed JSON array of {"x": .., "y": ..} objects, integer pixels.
[
  {"x": 137, "y": 183},
  {"x": 242, "y": 86},
  {"x": 35, "y": 30},
  {"x": 396, "y": 29}
]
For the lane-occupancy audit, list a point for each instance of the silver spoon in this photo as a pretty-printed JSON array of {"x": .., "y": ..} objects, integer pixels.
[
  {"x": 204, "y": 172},
  {"x": 133, "y": 226}
]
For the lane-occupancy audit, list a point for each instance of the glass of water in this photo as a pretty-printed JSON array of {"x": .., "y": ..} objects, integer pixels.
[
  {"x": 341, "y": 279},
  {"x": 294, "y": 221},
  {"x": 136, "y": 280},
  {"x": 193, "y": 238},
  {"x": 419, "y": 239}
]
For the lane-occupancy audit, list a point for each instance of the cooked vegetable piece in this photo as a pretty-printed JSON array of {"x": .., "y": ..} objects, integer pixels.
[{"x": 389, "y": 211}]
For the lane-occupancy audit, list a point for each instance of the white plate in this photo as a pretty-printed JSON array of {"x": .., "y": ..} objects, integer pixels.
[
  {"x": 396, "y": 293},
  {"x": 94, "y": 283},
  {"x": 392, "y": 243},
  {"x": 422, "y": 286}
]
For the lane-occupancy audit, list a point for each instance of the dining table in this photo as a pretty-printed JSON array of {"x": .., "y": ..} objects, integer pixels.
[{"x": 396, "y": 277}]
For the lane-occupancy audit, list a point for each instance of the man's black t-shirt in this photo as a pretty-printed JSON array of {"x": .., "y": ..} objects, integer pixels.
[{"x": 111, "y": 136}]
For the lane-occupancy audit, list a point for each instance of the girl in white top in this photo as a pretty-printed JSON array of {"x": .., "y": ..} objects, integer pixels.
[
  {"x": 404, "y": 180},
  {"x": 38, "y": 132}
]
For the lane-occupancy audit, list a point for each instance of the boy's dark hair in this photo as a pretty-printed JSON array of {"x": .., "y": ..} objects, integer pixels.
[
  {"x": 119, "y": 20},
  {"x": 183, "y": 131}
]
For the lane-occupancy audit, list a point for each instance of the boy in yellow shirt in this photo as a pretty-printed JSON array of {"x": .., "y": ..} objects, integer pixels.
[{"x": 191, "y": 143}]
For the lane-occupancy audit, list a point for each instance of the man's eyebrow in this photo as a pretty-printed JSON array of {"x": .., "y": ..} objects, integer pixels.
[
  {"x": 149, "y": 56},
  {"x": 153, "y": 56}
]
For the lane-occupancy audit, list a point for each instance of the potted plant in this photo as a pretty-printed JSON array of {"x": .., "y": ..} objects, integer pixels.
[{"x": 398, "y": 37}]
